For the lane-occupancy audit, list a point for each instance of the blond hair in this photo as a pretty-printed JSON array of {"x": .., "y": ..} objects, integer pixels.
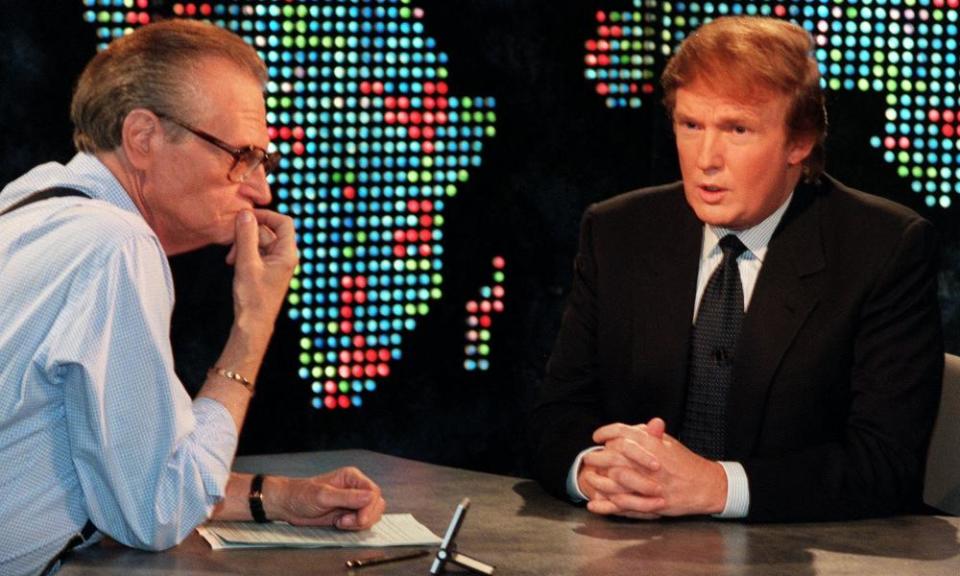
[{"x": 743, "y": 53}]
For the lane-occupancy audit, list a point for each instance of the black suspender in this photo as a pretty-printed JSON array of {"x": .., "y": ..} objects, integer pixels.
[{"x": 55, "y": 192}]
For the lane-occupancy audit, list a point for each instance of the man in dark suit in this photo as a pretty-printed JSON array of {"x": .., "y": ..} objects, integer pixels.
[{"x": 776, "y": 334}]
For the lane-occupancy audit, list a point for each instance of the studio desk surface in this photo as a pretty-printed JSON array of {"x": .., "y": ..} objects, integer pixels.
[{"x": 517, "y": 527}]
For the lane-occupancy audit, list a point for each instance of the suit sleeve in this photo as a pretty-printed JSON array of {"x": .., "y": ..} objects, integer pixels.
[
  {"x": 876, "y": 466},
  {"x": 567, "y": 408}
]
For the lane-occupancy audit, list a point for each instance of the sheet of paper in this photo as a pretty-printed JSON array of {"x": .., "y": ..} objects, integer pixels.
[{"x": 392, "y": 530}]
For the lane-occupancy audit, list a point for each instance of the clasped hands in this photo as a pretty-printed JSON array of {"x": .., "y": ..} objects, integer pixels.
[{"x": 643, "y": 472}]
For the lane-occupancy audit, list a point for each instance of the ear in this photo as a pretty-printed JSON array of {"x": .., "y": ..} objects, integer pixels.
[
  {"x": 141, "y": 136},
  {"x": 799, "y": 148}
]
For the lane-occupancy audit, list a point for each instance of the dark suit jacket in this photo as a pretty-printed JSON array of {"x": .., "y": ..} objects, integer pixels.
[{"x": 837, "y": 371}]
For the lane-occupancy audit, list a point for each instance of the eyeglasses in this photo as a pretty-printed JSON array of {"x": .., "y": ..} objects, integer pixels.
[{"x": 245, "y": 160}]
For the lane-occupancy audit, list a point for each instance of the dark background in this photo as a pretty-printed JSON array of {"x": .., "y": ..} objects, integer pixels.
[{"x": 557, "y": 149}]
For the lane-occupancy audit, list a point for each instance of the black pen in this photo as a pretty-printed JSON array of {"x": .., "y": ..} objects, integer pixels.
[{"x": 363, "y": 563}]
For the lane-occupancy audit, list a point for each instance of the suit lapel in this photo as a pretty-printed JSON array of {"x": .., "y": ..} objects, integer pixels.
[
  {"x": 787, "y": 291},
  {"x": 663, "y": 313}
]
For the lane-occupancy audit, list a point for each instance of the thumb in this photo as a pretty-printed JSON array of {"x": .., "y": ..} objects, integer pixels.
[
  {"x": 245, "y": 247},
  {"x": 656, "y": 427}
]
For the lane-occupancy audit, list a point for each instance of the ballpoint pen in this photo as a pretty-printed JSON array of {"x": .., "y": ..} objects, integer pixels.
[{"x": 362, "y": 563}]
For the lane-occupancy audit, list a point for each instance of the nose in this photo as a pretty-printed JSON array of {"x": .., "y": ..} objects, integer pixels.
[
  {"x": 256, "y": 187},
  {"x": 710, "y": 154}
]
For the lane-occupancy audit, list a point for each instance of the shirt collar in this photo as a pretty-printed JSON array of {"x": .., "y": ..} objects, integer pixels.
[
  {"x": 97, "y": 180},
  {"x": 756, "y": 238}
]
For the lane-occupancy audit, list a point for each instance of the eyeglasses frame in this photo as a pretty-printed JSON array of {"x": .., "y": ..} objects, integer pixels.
[{"x": 269, "y": 160}]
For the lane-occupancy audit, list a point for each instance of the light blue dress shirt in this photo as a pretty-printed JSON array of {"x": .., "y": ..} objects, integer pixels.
[
  {"x": 756, "y": 239},
  {"x": 94, "y": 423}
]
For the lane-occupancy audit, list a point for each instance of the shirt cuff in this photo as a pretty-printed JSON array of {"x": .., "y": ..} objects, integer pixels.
[
  {"x": 738, "y": 491},
  {"x": 573, "y": 489}
]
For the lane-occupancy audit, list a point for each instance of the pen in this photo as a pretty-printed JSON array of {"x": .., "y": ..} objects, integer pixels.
[{"x": 362, "y": 563}]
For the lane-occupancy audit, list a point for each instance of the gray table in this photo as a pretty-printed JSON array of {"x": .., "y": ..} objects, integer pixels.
[{"x": 514, "y": 525}]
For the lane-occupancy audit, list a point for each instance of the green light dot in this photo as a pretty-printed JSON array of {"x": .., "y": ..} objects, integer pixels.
[
  {"x": 916, "y": 172},
  {"x": 485, "y": 335},
  {"x": 333, "y": 327},
  {"x": 436, "y": 279},
  {"x": 932, "y": 172},
  {"x": 436, "y": 293},
  {"x": 316, "y": 372},
  {"x": 412, "y": 176},
  {"x": 450, "y": 190},
  {"x": 348, "y": 252},
  {"x": 422, "y": 309},
  {"x": 329, "y": 372},
  {"x": 442, "y": 72},
  {"x": 478, "y": 117},
  {"x": 484, "y": 349},
  {"x": 294, "y": 283},
  {"x": 405, "y": 12},
  {"x": 463, "y": 175},
  {"x": 344, "y": 386},
  {"x": 498, "y": 277},
  {"x": 863, "y": 85},
  {"x": 467, "y": 102},
  {"x": 305, "y": 343},
  {"x": 410, "y": 265},
  {"x": 318, "y": 358},
  {"x": 490, "y": 131},
  {"x": 304, "y": 358},
  {"x": 438, "y": 220},
  {"x": 327, "y": 42},
  {"x": 293, "y": 299}
]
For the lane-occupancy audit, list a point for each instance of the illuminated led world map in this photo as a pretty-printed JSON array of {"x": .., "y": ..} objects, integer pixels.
[
  {"x": 375, "y": 143},
  {"x": 905, "y": 50}
]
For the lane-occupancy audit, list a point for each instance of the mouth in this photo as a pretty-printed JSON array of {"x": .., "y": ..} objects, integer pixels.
[{"x": 711, "y": 193}]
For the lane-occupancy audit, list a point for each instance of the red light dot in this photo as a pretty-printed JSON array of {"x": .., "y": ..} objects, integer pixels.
[
  {"x": 403, "y": 117},
  {"x": 425, "y": 250},
  {"x": 346, "y": 327},
  {"x": 413, "y": 206},
  {"x": 414, "y": 132},
  {"x": 360, "y": 297},
  {"x": 298, "y": 133},
  {"x": 903, "y": 142},
  {"x": 399, "y": 251},
  {"x": 390, "y": 102},
  {"x": 780, "y": 10},
  {"x": 603, "y": 89},
  {"x": 498, "y": 306},
  {"x": 934, "y": 115},
  {"x": 592, "y": 45},
  {"x": 358, "y": 371},
  {"x": 415, "y": 117},
  {"x": 472, "y": 306},
  {"x": 371, "y": 356},
  {"x": 346, "y": 282},
  {"x": 389, "y": 118},
  {"x": 298, "y": 148},
  {"x": 358, "y": 355},
  {"x": 603, "y": 60},
  {"x": 191, "y": 9},
  {"x": 428, "y": 146},
  {"x": 647, "y": 88},
  {"x": 330, "y": 386},
  {"x": 889, "y": 142},
  {"x": 142, "y": 3},
  {"x": 499, "y": 262},
  {"x": 343, "y": 402},
  {"x": 601, "y": 16},
  {"x": 178, "y": 9},
  {"x": 344, "y": 357},
  {"x": 330, "y": 402},
  {"x": 144, "y": 18},
  {"x": 428, "y": 134},
  {"x": 411, "y": 235},
  {"x": 361, "y": 281},
  {"x": 590, "y": 60},
  {"x": 442, "y": 87},
  {"x": 485, "y": 321},
  {"x": 370, "y": 370},
  {"x": 948, "y": 116},
  {"x": 347, "y": 297},
  {"x": 429, "y": 103},
  {"x": 378, "y": 87},
  {"x": 365, "y": 87},
  {"x": 285, "y": 133},
  {"x": 428, "y": 118},
  {"x": 498, "y": 291},
  {"x": 383, "y": 370},
  {"x": 358, "y": 341},
  {"x": 947, "y": 130},
  {"x": 603, "y": 31},
  {"x": 384, "y": 354},
  {"x": 349, "y": 193},
  {"x": 426, "y": 221},
  {"x": 429, "y": 88},
  {"x": 343, "y": 371},
  {"x": 403, "y": 102},
  {"x": 442, "y": 103},
  {"x": 441, "y": 118},
  {"x": 206, "y": 10},
  {"x": 485, "y": 306}
]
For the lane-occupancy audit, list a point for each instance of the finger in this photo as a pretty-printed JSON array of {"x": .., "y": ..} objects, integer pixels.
[
  {"x": 611, "y": 431},
  {"x": 232, "y": 255},
  {"x": 635, "y": 454},
  {"x": 347, "y": 498},
  {"x": 371, "y": 514},
  {"x": 346, "y": 521},
  {"x": 601, "y": 483},
  {"x": 642, "y": 504},
  {"x": 603, "y": 506},
  {"x": 656, "y": 427},
  {"x": 605, "y": 459},
  {"x": 245, "y": 243},
  {"x": 266, "y": 237},
  {"x": 351, "y": 477},
  {"x": 635, "y": 482}
]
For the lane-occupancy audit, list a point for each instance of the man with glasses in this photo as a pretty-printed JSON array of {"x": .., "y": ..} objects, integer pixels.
[{"x": 96, "y": 431}]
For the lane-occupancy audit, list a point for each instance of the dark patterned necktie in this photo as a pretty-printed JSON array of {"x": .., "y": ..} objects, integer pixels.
[{"x": 712, "y": 345}]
